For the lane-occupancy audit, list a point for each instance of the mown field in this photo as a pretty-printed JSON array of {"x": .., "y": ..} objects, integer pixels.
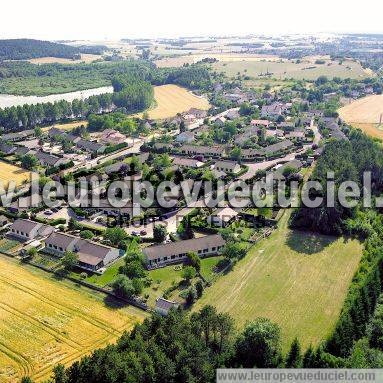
[
  {"x": 365, "y": 114},
  {"x": 11, "y": 172},
  {"x": 288, "y": 69},
  {"x": 44, "y": 322},
  {"x": 87, "y": 58},
  {"x": 173, "y": 99},
  {"x": 296, "y": 279}
]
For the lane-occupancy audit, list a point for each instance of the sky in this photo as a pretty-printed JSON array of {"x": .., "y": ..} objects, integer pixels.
[{"x": 115, "y": 19}]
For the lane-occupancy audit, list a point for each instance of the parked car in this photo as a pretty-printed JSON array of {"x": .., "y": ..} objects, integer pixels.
[{"x": 143, "y": 232}]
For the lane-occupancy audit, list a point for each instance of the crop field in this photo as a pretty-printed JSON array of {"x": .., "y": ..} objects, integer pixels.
[
  {"x": 87, "y": 58},
  {"x": 67, "y": 125},
  {"x": 44, "y": 322},
  {"x": 173, "y": 99},
  {"x": 365, "y": 114},
  {"x": 296, "y": 279},
  {"x": 290, "y": 69},
  {"x": 11, "y": 172}
]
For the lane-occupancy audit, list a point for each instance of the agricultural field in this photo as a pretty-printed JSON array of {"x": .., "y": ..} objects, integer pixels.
[
  {"x": 284, "y": 69},
  {"x": 173, "y": 99},
  {"x": 365, "y": 114},
  {"x": 67, "y": 125},
  {"x": 11, "y": 172},
  {"x": 44, "y": 322},
  {"x": 296, "y": 279},
  {"x": 87, "y": 58}
]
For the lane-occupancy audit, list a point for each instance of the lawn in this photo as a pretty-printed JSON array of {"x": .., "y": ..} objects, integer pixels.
[
  {"x": 44, "y": 321},
  {"x": 108, "y": 276},
  {"x": 7, "y": 245},
  {"x": 11, "y": 172},
  {"x": 208, "y": 266},
  {"x": 173, "y": 99},
  {"x": 290, "y": 69},
  {"x": 298, "y": 280}
]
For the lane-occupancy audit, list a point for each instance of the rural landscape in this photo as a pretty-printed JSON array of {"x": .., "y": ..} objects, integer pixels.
[{"x": 157, "y": 218}]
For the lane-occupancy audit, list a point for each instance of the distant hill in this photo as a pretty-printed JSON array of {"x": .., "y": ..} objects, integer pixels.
[{"x": 25, "y": 49}]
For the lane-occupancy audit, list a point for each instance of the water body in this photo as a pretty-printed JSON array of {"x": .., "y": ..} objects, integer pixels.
[{"x": 7, "y": 100}]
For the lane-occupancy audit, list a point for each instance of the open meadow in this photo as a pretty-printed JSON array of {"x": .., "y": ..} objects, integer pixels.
[
  {"x": 173, "y": 99},
  {"x": 9, "y": 172},
  {"x": 44, "y": 322},
  {"x": 86, "y": 58},
  {"x": 297, "y": 279},
  {"x": 365, "y": 114}
]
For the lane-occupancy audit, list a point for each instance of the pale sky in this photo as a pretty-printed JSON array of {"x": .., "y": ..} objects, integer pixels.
[{"x": 115, "y": 19}]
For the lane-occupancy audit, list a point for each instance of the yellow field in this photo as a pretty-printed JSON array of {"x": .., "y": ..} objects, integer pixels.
[
  {"x": 87, "y": 58},
  {"x": 44, "y": 322},
  {"x": 365, "y": 114},
  {"x": 11, "y": 172},
  {"x": 66, "y": 126},
  {"x": 173, "y": 99},
  {"x": 297, "y": 279}
]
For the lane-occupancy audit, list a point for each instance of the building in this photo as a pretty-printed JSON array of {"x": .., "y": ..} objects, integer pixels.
[
  {"x": 184, "y": 163},
  {"x": 273, "y": 110},
  {"x": 91, "y": 146},
  {"x": 264, "y": 123},
  {"x": 91, "y": 255},
  {"x": 208, "y": 151},
  {"x": 163, "y": 306},
  {"x": 227, "y": 166},
  {"x": 252, "y": 154},
  {"x": 222, "y": 217},
  {"x": 18, "y": 136},
  {"x": 112, "y": 137},
  {"x": 279, "y": 147},
  {"x": 185, "y": 137},
  {"x": 26, "y": 229},
  {"x": 7, "y": 149},
  {"x": 176, "y": 252}
]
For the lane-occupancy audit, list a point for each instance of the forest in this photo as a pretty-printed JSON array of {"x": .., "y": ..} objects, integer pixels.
[{"x": 24, "y": 49}]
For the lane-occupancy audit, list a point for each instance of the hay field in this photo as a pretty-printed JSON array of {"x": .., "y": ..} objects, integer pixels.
[
  {"x": 67, "y": 125},
  {"x": 173, "y": 99},
  {"x": 365, "y": 113},
  {"x": 10, "y": 172},
  {"x": 87, "y": 58},
  {"x": 296, "y": 279},
  {"x": 44, "y": 322},
  {"x": 288, "y": 69}
]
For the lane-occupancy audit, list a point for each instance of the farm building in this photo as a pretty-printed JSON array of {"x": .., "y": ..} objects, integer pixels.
[{"x": 176, "y": 252}]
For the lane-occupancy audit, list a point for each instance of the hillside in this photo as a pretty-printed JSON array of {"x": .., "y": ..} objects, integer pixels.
[{"x": 24, "y": 49}]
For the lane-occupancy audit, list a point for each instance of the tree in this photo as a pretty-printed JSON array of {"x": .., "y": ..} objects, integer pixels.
[
  {"x": 38, "y": 132},
  {"x": 29, "y": 161},
  {"x": 308, "y": 358},
  {"x": 59, "y": 374},
  {"x": 26, "y": 379},
  {"x": 86, "y": 234},
  {"x": 115, "y": 235},
  {"x": 234, "y": 250},
  {"x": 195, "y": 261},
  {"x": 199, "y": 288},
  {"x": 191, "y": 296},
  {"x": 294, "y": 357},
  {"x": 123, "y": 287},
  {"x": 69, "y": 260},
  {"x": 236, "y": 153},
  {"x": 159, "y": 233},
  {"x": 188, "y": 273},
  {"x": 259, "y": 345},
  {"x": 31, "y": 252}
]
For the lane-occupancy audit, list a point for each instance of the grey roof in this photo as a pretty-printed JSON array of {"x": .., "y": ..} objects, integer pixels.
[
  {"x": 230, "y": 165},
  {"x": 202, "y": 149},
  {"x": 21, "y": 150},
  {"x": 18, "y": 135},
  {"x": 165, "y": 305},
  {"x": 6, "y": 149},
  {"x": 47, "y": 158},
  {"x": 25, "y": 225},
  {"x": 285, "y": 144},
  {"x": 90, "y": 252},
  {"x": 61, "y": 239},
  {"x": 189, "y": 245},
  {"x": 90, "y": 146}
]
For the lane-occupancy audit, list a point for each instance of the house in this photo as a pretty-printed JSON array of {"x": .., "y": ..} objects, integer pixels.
[
  {"x": 293, "y": 164},
  {"x": 227, "y": 166},
  {"x": 220, "y": 121},
  {"x": 26, "y": 229},
  {"x": 296, "y": 135},
  {"x": 176, "y": 252},
  {"x": 112, "y": 137},
  {"x": 91, "y": 146},
  {"x": 7, "y": 149},
  {"x": 248, "y": 134},
  {"x": 23, "y": 204},
  {"x": 198, "y": 113},
  {"x": 282, "y": 146},
  {"x": 163, "y": 146},
  {"x": 187, "y": 163},
  {"x": 18, "y": 136},
  {"x": 49, "y": 160},
  {"x": 252, "y": 154},
  {"x": 222, "y": 217},
  {"x": 91, "y": 255},
  {"x": 232, "y": 114},
  {"x": 3, "y": 221},
  {"x": 273, "y": 110},
  {"x": 22, "y": 151},
  {"x": 208, "y": 151},
  {"x": 185, "y": 137},
  {"x": 264, "y": 123},
  {"x": 163, "y": 306}
]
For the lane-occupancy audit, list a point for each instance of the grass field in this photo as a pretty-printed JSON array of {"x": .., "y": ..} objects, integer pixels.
[
  {"x": 288, "y": 69},
  {"x": 67, "y": 125},
  {"x": 365, "y": 114},
  {"x": 44, "y": 322},
  {"x": 296, "y": 279},
  {"x": 11, "y": 172},
  {"x": 172, "y": 99}
]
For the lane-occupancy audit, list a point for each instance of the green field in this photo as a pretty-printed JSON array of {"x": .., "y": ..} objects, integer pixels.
[
  {"x": 289, "y": 69},
  {"x": 296, "y": 279}
]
